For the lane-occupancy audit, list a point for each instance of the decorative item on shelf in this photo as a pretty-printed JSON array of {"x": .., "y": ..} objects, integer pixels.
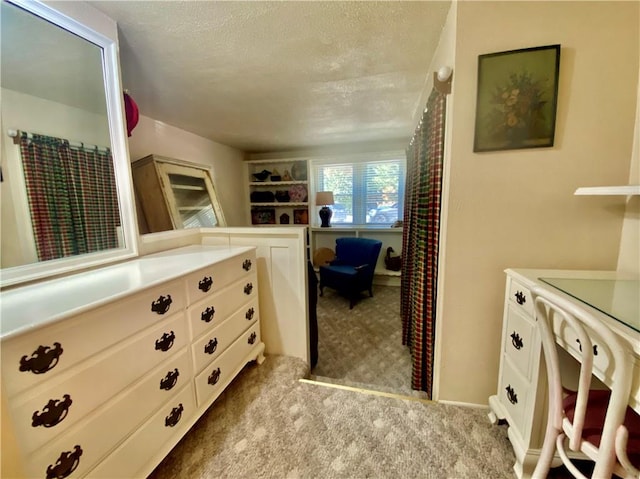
[
  {"x": 262, "y": 197},
  {"x": 299, "y": 171},
  {"x": 397, "y": 224},
  {"x": 275, "y": 175},
  {"x": 300, "y": 217},
  {"x": 263, "y": 175},
  {"x": 284, "y": 219},
  {"x": 392, "y": 263},
  {"x": 286, "y": 176},
  {"x": 263, "y": 216},
  {"x": 282, "y": 196},
  {"x": 298, "y": 193},
  {"x": 325, "y": 198}
]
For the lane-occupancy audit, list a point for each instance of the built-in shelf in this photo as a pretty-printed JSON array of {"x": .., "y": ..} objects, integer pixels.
[{"x": 608, "y": 190}]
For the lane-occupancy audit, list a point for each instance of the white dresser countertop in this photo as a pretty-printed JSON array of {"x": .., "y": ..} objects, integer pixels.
[{"x": 25, "y": 308}]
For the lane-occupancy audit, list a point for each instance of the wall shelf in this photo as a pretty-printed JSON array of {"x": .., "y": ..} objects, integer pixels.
[{"x": 608, "y": 190}]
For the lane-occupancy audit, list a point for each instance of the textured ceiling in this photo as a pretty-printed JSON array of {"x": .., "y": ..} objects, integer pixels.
[{"x": 267, "y": 76}]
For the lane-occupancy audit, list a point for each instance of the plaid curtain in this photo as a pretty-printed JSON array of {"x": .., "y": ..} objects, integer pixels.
[
  {"x": 420, "y": 238},
  {"x": 72, "y": 197}
]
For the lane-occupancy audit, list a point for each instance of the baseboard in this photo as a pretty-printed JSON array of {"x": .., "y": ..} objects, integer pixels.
[{"x": 464, "y": 404}]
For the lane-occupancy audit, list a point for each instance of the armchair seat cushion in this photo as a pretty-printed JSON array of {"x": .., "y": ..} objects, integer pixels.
[{"x": 352, "y": 270}]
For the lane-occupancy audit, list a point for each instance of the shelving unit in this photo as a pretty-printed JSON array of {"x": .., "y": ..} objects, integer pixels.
[
  {"x": 281, "y": 195},
  {"x": 627, "y": 190},
  {"x": 174, "y": 194}
]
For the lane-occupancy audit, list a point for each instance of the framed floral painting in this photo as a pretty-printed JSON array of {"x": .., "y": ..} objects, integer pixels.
[{"x": 517, "y": 97}]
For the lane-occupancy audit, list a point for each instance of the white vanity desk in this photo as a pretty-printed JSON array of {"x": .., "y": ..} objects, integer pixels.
[
  {"x": 522, "y": 388},
  {"x": 104, "y": 371}
]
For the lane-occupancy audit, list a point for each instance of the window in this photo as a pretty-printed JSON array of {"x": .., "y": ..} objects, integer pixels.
[{"x": 369, "y": 191}]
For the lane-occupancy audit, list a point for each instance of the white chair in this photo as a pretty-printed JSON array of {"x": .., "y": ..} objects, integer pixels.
[{"x": 599, "y": 424}]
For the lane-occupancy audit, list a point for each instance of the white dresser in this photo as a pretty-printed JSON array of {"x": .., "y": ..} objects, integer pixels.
[
  {"x": 104, "y": 371},
  {"x": 522, "y": 386}
]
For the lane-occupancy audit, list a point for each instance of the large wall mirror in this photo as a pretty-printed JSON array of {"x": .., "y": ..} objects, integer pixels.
[{"x": 66, "y": 194}]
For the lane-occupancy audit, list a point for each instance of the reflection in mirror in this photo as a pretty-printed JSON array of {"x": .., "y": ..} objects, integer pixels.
[{"x": 65, "y": 186}]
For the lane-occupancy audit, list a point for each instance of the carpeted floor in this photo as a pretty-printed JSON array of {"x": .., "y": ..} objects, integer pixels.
[
  {"x": 363, "y": 346},
  {"x": 267, "y": 424}
]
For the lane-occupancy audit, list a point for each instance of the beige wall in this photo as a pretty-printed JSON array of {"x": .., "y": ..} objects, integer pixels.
[
  {"x": 629, "y": 258},
  {"x": 516, "y": 208},
  {"x": 154, "y": 137}
]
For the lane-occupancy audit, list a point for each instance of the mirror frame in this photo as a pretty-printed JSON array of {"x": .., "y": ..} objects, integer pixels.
[{"x": 119, "y": 150}]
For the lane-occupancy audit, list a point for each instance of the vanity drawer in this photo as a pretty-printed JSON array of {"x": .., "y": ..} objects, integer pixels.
[
  {"x": 91, "y": 384},
  {"x": 568, "y": 338},
  {"x": 520, "y": 296},
  {"x": 212, "y": 381},
  {"x": 217, "y": 276},
  {"x": 217, "y": 307},
  {"x": 101, "y": 431},
  {"x": 519, "y": 340},
  {"x": 514, "y": 394},
  {"x": 216, "y": 341},
  {"x": 31, "y": 358},
  {"x": 170, "y": 422}
]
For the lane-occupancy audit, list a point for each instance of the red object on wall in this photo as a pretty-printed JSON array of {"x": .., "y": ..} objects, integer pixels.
[{"x": 131, "y": 111}]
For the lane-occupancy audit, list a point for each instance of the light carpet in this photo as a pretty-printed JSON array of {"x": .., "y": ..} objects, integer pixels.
[
  {"x": 268, "y": 424},
  {"x": 363, "y": 346}
]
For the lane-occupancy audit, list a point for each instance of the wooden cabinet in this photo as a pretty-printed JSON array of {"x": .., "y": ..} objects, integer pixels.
[
  {"x": 174, "y": 194},
  {"x": 120, "y": 362},
  {"x": 278, "y": 192}
]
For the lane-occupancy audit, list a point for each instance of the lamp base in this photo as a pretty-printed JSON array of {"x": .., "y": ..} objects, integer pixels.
[{"x": 325, "y": 216}]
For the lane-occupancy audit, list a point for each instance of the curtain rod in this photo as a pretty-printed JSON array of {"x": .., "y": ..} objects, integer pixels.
[{"x": 15, "y": 134}]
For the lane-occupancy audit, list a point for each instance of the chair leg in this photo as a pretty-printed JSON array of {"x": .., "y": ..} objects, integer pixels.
[
  {"x": 371, "y": 292},
  {"x": 321, "y": 288}
]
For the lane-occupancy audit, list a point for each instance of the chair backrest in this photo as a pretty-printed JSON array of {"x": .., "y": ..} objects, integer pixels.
[
  {"x": 555, "y": 313},
  {"x": 358, "y": 251}
]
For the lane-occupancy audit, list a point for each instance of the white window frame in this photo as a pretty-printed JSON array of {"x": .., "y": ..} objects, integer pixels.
[{"x": 359, "y": 190}]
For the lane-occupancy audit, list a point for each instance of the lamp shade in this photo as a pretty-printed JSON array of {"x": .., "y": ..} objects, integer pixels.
[{"x": 324, "y": 198}]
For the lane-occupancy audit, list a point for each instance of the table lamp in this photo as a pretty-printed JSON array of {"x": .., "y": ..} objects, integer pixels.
[{"x": 324, "y": 198}]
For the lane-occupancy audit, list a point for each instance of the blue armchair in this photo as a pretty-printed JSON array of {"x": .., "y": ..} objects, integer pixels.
[{"x": 352, "y": 270}]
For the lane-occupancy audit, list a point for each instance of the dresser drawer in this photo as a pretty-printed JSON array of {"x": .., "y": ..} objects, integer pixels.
[
  {"x": 520, "y": 296},
  {"x": 29, "y": 359},
  {"x": 217, "y": 307},
  {"x": 217, "y": 276},
  {"x": 95, "y": 381},
  {"x": 514, "y": 392},
  {"x": 215, "y": 342},
  {"x": 210, "y": 382},
  {"x": 520, "y": 344},
  {"x": 169, "y": 422},
  {"x": 102, "y": 430}
]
